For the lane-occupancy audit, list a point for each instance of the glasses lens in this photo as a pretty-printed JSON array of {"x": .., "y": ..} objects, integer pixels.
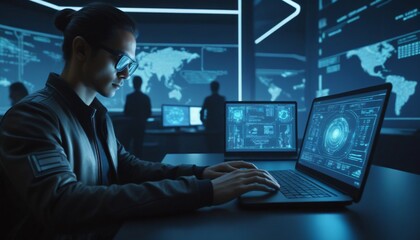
[
  {"x": 123, "y": 63},
  {"x": 132, "y": 68}
]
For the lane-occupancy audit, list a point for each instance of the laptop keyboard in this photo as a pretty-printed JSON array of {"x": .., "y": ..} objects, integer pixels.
[{"x": 294, "y": 186}]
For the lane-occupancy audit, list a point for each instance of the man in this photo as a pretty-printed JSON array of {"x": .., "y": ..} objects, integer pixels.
[
  {"x": 212, "y": 113},
  {"x": 64, "y": 173},
  {"x": 138, "y": 109}
]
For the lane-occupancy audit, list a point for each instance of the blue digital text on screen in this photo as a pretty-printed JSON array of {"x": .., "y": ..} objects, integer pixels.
[{"x": 260, "y": 127}]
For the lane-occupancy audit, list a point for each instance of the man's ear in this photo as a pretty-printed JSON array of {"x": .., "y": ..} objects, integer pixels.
[{"x": 81, "y": 49}]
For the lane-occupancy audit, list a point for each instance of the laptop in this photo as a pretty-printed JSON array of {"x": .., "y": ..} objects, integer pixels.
[
  {"x": 336, "y": 153},
  {"x": 260, "y": 130}
]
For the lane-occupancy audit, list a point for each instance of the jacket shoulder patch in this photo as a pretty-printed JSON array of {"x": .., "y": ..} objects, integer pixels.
[{"x": 48, "y": 162}]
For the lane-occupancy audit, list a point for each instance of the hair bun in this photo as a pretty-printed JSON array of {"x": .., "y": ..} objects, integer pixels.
[{"x": 63, "y": 18}]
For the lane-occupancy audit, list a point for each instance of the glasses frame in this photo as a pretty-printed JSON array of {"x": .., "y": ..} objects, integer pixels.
[{"x": 119, "y": 55}]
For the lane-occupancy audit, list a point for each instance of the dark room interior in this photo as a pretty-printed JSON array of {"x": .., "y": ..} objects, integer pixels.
[{"x": 188, "y": 119}]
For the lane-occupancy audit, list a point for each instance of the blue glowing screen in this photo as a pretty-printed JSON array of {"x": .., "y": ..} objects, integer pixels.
[
  {"x": 195, "y": 116},
  {"x": 260, "y": 127},
  {"x": 173, "y": 73},
  {"x": 370, "y": 42},
  {"x": 27, "y": 57},
  {"x": 175, "y": 116},
  {"x": 339, "y": 135}
]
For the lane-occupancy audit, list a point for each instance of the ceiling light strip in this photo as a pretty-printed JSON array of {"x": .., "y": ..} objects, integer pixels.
[
  {"x": 284, "y": 21},
  {"x": 148, "y": 10}
]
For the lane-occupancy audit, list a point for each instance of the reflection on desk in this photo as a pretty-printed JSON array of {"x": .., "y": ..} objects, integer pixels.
[{"x": 387, "y": 210}]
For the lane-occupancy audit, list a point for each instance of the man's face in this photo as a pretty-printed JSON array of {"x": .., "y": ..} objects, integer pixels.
[{"x": 100, "y": 71}]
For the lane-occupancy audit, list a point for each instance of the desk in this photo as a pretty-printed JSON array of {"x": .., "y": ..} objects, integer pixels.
[{"x": 389, "y": 209}]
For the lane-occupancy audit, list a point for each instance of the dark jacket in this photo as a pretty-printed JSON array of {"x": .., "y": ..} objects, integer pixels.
[
  {"x": 51, "y": 172},
  {"x": 212, "y": 113}
]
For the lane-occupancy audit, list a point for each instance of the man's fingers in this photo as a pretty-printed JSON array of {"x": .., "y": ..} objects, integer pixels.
[
  {"x": 271, "y": 177},
  {"x": 257, "y": 187},
  {"x": 228, "y": 168},
  {"x": 247, "y": 173},
  {"x": 261, "y": 180},
  {"x": 242, "y": 164}
]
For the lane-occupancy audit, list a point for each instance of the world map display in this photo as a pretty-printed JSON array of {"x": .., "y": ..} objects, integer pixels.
[
  {"x": 163, "y": 64},
  {"x": 172, "y": 73},
  {"x": 373, "y": 59},
  {"x": 365, "y": 43},
  {"x": 281, "y": 77},
  {"x": 388, "y": 61}
]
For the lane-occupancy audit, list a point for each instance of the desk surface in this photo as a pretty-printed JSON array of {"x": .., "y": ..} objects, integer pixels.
[{"x": 389, "y": 209}]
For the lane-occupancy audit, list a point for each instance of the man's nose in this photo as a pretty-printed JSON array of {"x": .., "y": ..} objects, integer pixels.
[{"x": 123, "y": 74}]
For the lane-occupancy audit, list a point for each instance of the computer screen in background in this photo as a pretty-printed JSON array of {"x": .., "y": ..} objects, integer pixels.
[
  {"x": 175, "y": 116},
  {"x": 260, "y": 127},
  {"x": 195, "y": 116}
]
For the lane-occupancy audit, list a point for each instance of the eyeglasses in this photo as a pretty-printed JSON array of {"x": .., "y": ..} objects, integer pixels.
[{"x": 123, "y": 60}]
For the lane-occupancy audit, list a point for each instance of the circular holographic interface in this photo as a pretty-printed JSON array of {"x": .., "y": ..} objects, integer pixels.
[
  {"x": 336, "y": 135},
  {"x": 238, "y": 115},
  {"x": 285, "y": 115}
]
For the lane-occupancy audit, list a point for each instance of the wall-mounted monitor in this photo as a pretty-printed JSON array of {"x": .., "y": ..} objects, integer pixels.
[{"x": 366, "y": 43}]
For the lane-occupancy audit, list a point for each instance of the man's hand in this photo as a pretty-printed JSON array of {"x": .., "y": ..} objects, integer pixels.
[
  {"x": 232, "y": 185},
  {"x": 220, "y": 169}
]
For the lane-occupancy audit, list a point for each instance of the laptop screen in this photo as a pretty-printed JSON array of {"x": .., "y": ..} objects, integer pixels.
[
  {"x": 175, "y": 116},
  {"x": 260, "y": 127},
  {"x": 339, "y": 135}
]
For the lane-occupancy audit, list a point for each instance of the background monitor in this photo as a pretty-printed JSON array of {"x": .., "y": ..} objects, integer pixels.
[
  {"x": 175, "y": 116},
  {"x": 195, "y": 116}
]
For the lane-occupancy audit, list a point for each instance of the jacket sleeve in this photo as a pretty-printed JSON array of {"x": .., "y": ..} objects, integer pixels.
[
  {"x": 34, "y": 161},
  {"x": 131, "y": 169}
]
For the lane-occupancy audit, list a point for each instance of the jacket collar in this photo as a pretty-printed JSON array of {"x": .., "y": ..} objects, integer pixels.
[{"x": 76, "y": 104}]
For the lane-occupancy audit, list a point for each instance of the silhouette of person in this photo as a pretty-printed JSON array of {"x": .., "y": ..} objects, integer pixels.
[
  {"x": 211, "y": 114},
  {"x": 17, "y": 91},
  {"x": 138, "y": 109}
]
